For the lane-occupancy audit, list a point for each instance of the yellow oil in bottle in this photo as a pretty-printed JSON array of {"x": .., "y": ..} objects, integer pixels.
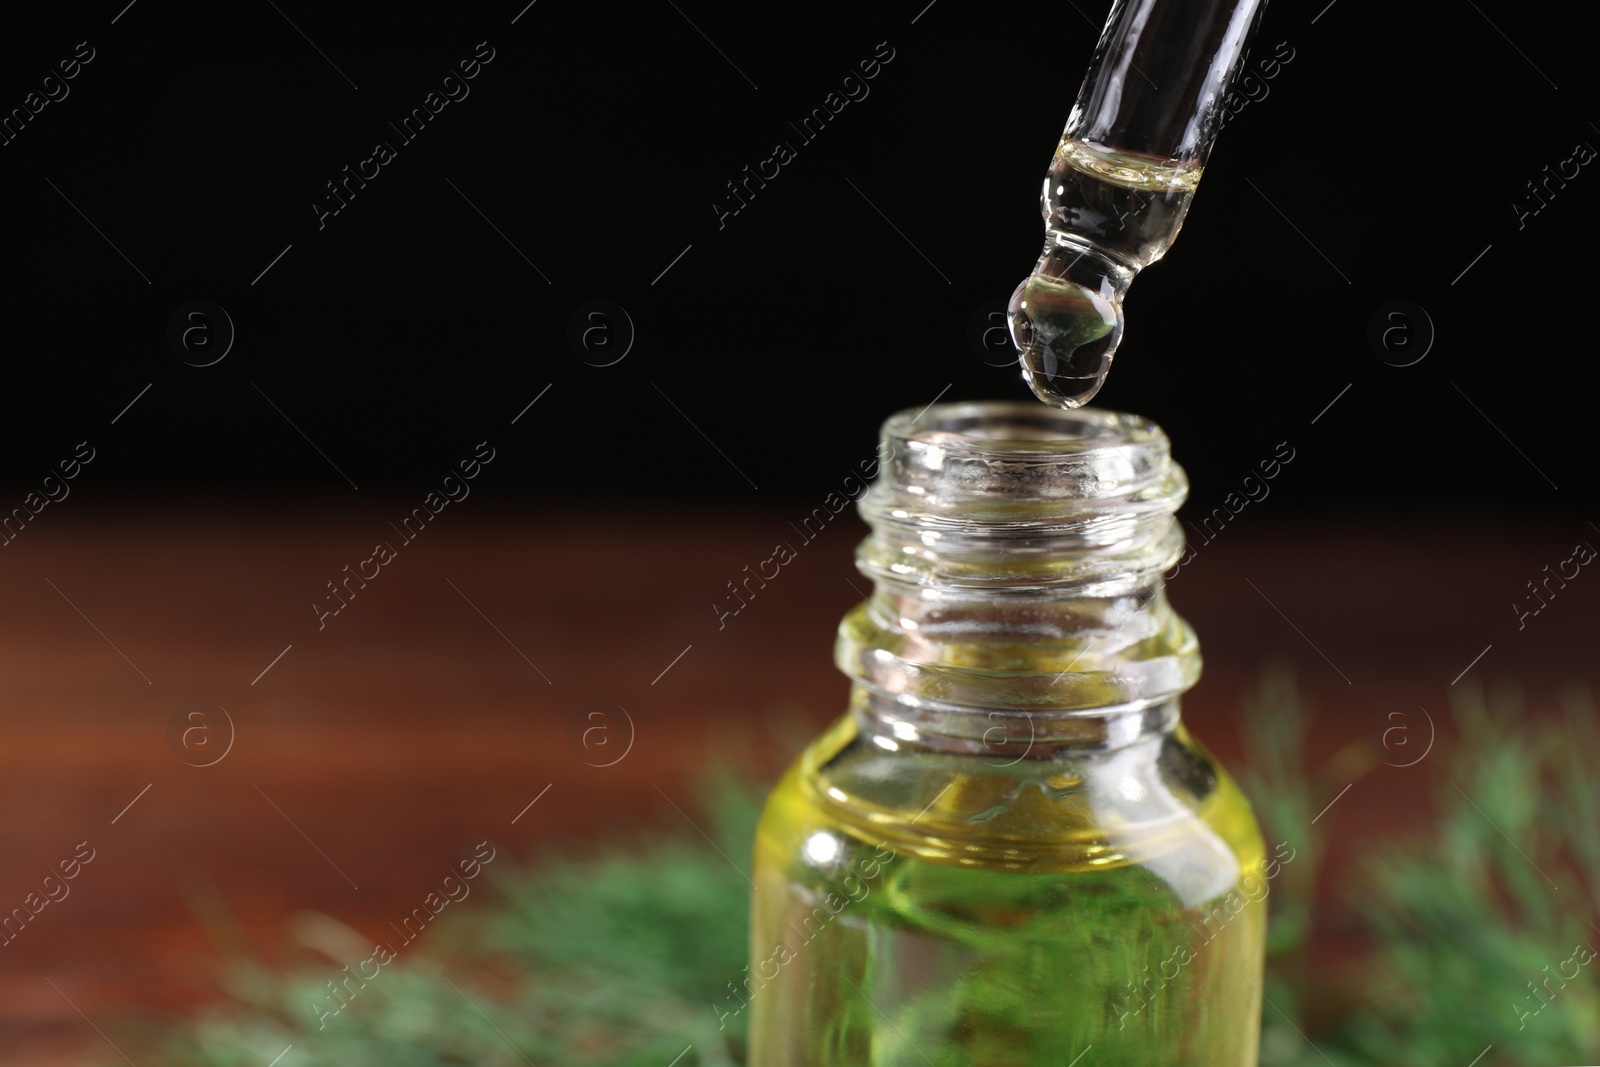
[{"x": 920, "y": 907}]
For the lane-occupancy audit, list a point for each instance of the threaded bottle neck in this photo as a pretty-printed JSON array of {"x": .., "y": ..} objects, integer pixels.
[{"x": 1016, "y": 555}]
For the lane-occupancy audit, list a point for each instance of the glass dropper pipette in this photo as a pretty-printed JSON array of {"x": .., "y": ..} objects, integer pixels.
[{"x": 1121, "y": 180}]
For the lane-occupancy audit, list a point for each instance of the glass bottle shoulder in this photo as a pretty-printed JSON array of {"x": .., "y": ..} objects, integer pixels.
[{"x": 1161, "y": 804}]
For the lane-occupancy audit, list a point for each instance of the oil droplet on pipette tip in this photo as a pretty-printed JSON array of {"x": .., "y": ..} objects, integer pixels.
[{"x": 1066, "y": 333}]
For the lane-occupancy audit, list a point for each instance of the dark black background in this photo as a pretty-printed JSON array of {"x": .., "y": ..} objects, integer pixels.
[{"x": 408, "y": 329}]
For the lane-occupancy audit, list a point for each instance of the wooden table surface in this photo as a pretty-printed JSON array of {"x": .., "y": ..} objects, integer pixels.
[{"x": 370, "y": 753}]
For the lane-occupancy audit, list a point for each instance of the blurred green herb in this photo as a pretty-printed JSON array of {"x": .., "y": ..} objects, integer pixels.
[
  {"x": 613, "y": 959},
  {"x": 1483, "y": 927},
  {"x": 1474, "y": 931}
]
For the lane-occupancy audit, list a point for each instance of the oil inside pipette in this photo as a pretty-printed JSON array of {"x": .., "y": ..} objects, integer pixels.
[{"x": 1107, "y": 215}]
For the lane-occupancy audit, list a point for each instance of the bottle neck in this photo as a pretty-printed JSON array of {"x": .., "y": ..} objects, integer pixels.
[
  {"x": 1016, "y": 556},
  {"x": 1005, "y": 738}
]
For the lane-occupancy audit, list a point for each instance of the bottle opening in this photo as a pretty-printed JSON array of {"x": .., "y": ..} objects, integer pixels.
[
  {"x": 1014, "y": 426},
  {"x": 1001, "y": 469}
]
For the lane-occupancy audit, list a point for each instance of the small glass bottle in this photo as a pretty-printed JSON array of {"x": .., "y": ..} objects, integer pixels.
[{"x": 1009, "y": 849}]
